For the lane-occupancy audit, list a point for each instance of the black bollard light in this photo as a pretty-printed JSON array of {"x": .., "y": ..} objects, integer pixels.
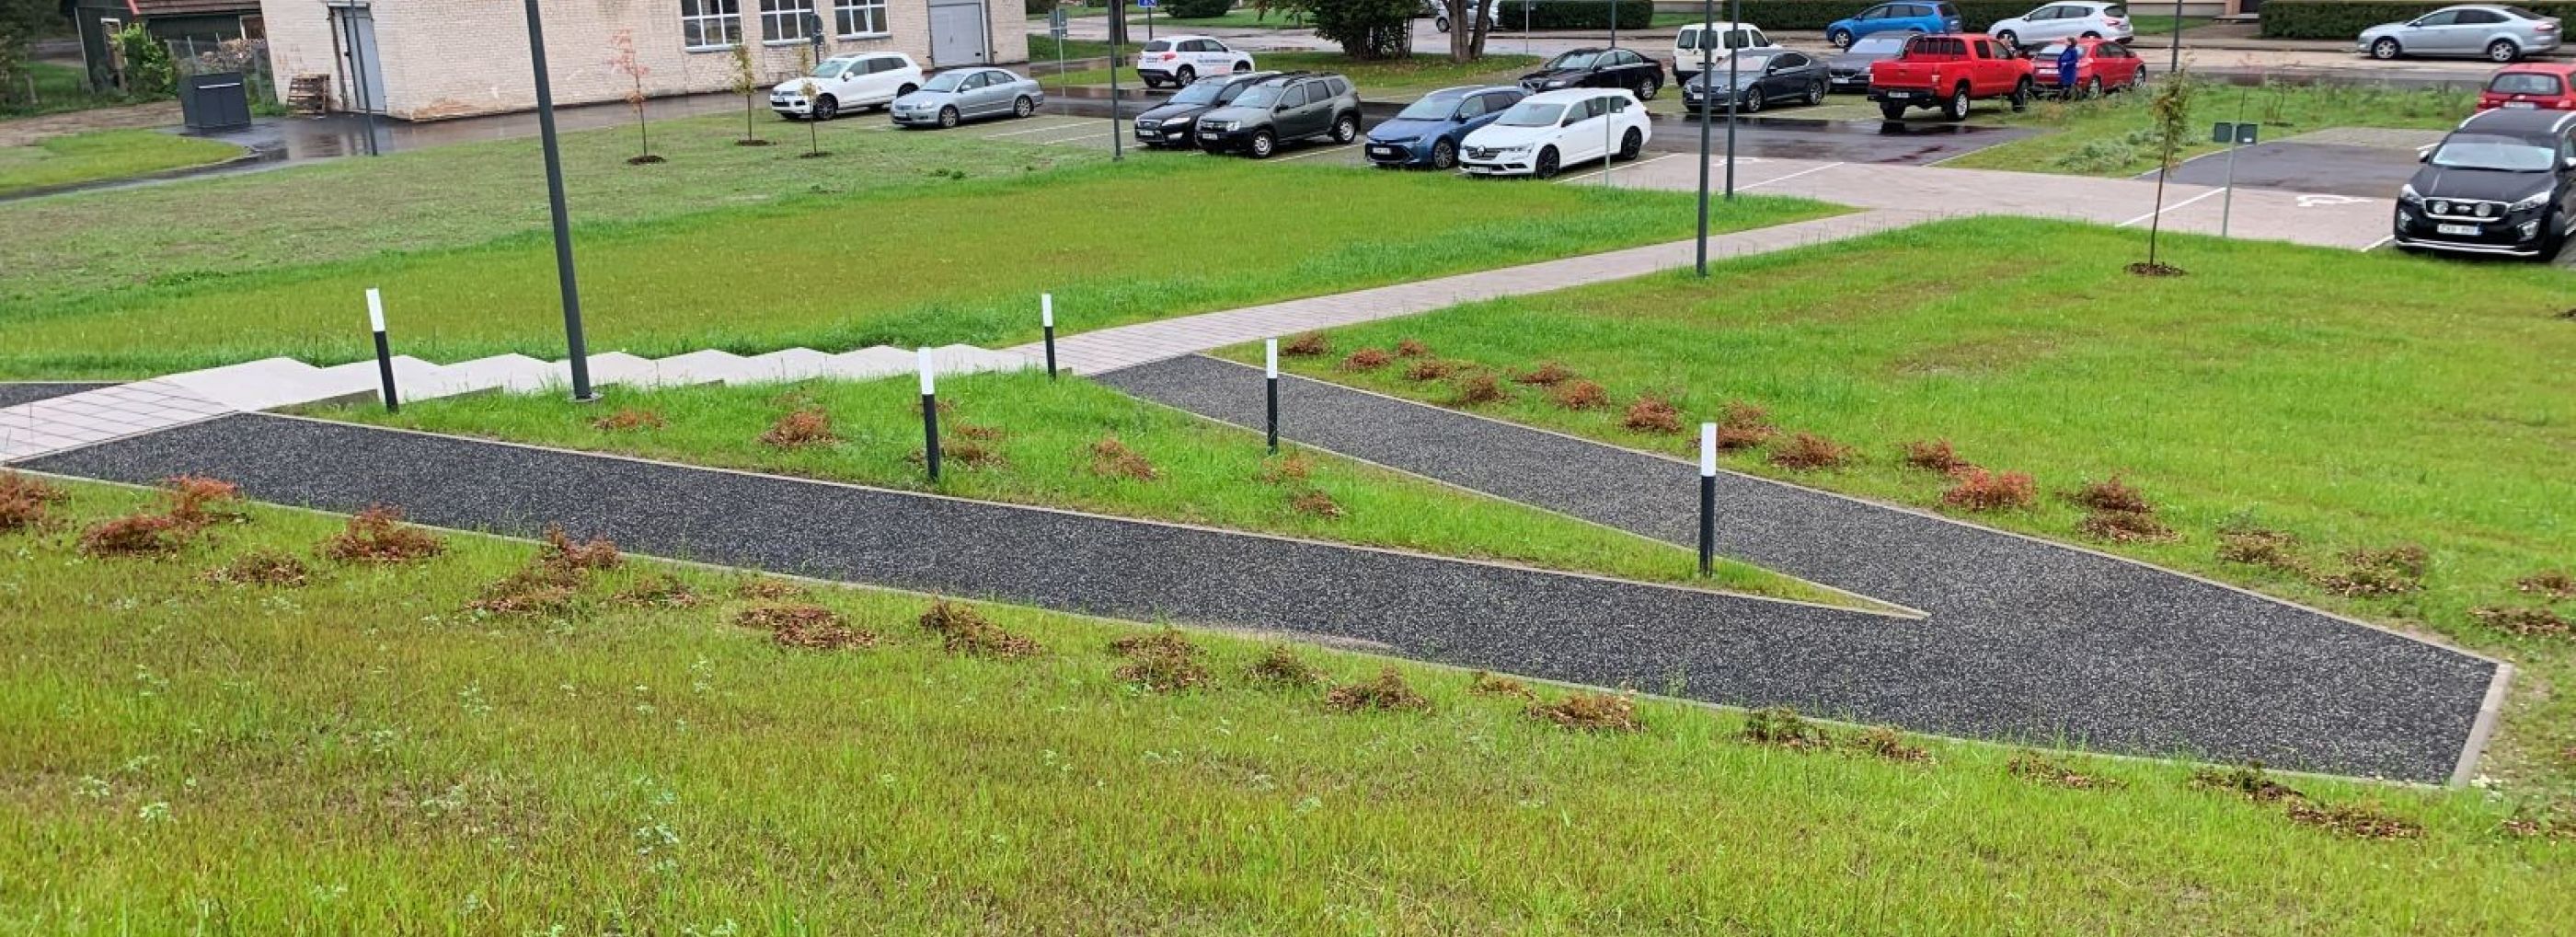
[
  {"x": 384, "y": 349},
  {"x": 929, "y": 416},
  {"x": 1046, "y": 320},
  {"x": 1271, "y": 346},
  {"x": 1707, "y": 498}
]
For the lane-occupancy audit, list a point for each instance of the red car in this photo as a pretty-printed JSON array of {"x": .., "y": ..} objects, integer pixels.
[
  {"x": 2547, "y": 86},
  {"x": 1946, "y": 72},
  {"x": 2106, "y": 66}
]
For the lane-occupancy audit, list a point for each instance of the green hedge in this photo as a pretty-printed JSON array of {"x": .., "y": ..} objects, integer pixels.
[
  {"x": 1552, "y": 14},
  {"x": 2345, "y": 19},
  {"x": 1197, "y": 9}
]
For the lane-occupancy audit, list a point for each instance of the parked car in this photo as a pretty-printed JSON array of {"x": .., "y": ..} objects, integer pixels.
[
  {"x": 1597, "y": 68},
  {"x": 1171, "y": 122},
  {"x": 846, "y": 82},
  {"x": 953, "y": 96},
  {"x": 1725, "y": 40},
  {"x": 1439, "y": 13},
  {"x": 2500, "y": 33},
  {"x": 1947, "y": 72},
  {"x": 1179, "y": 60},
  {"x": 1547, "y": 132},
  {"x": 1291, "y": 107},
  {"x": 2064, "y": 21},
  {"x": 1760, "y": 79},
  {"x": 1429, "y": 131},
  {"x": 2503, "y": 182},
  {"x": 1927, "y": 18},
  {"x": 2106, "y": 66},
  {"x": 2547, "y": 86},
  {"x": 1850, "y": 67}
]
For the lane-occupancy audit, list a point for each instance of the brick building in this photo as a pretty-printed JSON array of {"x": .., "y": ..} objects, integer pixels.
[{"x": 429, "y": 59}]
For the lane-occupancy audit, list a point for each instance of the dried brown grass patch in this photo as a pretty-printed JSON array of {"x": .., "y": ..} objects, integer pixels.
[
  {"x": 963, "y": 630},
  {"x": 135, "y": 535},
  {"x": 197, "y": 501},
  {"x": 2378, "y": 572},
  {"x": 25, "y": 501},
  {"x": 1547, "y": 374},
  {"x": 378, "y": 535},
  {"x": 1591, "y": 712},
  {"x": 1411, "y": 348},
  {"x": 1977, "y": 489},
  {"x": 1287, "y": 469},
  {"x": 1652, "y": 414},
  {"x": 1783, "y": 727},
  {"x": 1429, "y": 369},
  {"x": 767, "y": 589},
  {"x": 806, "y": 627},
  {"x": 1579, "y": 394},
  {"x": 2359, "y": 821},
  {"x": 1163, "y": 661},
  {"x": 796, "y": 429},
  {"x": 1366, "y": 359},
  {"x": 2124, "y": 527},
  {"x": 1887, "y": 744},
  {"x": 2039, "y": 768},
  {"x": 1387, "y": 691},
  {"x": 2552, "y": 585},
  {"x": 1113, "y": 459},
  {"x": 628, "y": 420},
  {"x": 1281, "y": 667},
  {"x": 1479, "y": 388},
  {"x": 1487, "y": 684},
  {"x": 1314, "y": 502},
  {"x": 2527, "y": 622},
  {"x": 2110, "y": 494},
  {"x": 534, "y": 589},
  {"x": 1935, "y": 455},
  {"x": 562, "y": 552},
  {"x": 262, "y": 568},
  {"x": 2249, "y": 781},
  {"x": 1308, "y": 345},
  {"x": 1807, "y": 452},
  {"x": 659, "y": 590}
]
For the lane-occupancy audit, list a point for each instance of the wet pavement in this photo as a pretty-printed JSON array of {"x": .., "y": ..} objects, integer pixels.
[{"x": 2362, "y": 171}]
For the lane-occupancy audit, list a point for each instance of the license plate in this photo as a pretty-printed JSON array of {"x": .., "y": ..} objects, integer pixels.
[
  {"x": 1381, "y": 150},
  {"x": 1896, "y": 95},
  {"x": 2468, "y": 230},
  {"x": 2520, "y": 105}
]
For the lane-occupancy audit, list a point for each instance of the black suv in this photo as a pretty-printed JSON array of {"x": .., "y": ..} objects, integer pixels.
[
  {"x": 1293, "y": 106},
  {"x": 2504, "y": 182},
  {"x": 1169, "y": 123},
  {"x": 1597, "y": 68}
]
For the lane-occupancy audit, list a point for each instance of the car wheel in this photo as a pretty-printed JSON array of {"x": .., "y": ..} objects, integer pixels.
[
  {"x": 1646, "y": 89},
  {"x": 2093, "y": 87},
  {"x": 948, "y": 117},
  {"x": 1023, "y": 107},
  {"x": 1816, "y": 94},
  {"x": 1632, "y": 144},
  {"x": 1841, "y": 38},
  {"x": 1444, "y": 155},
  {"x": 1346, "y": 129},
  {"x": 2138, "y": 80},
  {"x": 2092, "y": 35},
  {"x": 1545, "y": 167},
  {"x": 1243, "y": 67},
  {"x": 2384, "y": 48},
  {"x": 2503, "y": 50},
  {"x": 1752, "y": 102},
  {"x": 1891, "y": 110},
  {"x": 1957, "y": 107},
  {"x": 2009, "y": 38},
  {"x": 1442, "y": 23},
  {"x": 2020, "y": 96},
  {"x": 1263, "y": 144},
  {"x": 1182, "y": 78},
  {"x": 827, "y": 107}
]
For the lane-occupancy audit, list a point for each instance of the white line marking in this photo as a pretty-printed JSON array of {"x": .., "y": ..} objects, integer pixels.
[
  {"x": 1053, "y": 126},
  {"x": 1607, "y": 168},
  {"x": 1753, "y": 185},
  {"x": 1088, "y": 136},
  {"x": 1341, "y": 148},
  {"x": 2170, "y": 208}
]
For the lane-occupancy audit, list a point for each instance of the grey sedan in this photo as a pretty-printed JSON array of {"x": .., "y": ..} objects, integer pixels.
[
  {"x": 2495, "y": 33},
  {"x": 952, "y": 96}
]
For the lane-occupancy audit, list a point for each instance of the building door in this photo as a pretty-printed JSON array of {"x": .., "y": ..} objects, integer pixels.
[
  {"x": 362, "y": 71},
  {"x": 957, "y": 33}
]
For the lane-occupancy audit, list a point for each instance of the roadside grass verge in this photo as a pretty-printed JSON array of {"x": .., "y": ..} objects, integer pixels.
[
  {"x": 2353, "y": 402},
  {"x": 366, "y": 748},
  {"x": 959, "y": 261},
  {"x": 457, "y": 196},
  {"x": 101, "y": 155},
  {"x": 1070, "y": 443},
  {"x": 2113, "y": 135},
  {"x": 1389, "y": 79}
]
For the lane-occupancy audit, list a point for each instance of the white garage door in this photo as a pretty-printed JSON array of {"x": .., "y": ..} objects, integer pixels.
[{"x": 957, "y": 34}]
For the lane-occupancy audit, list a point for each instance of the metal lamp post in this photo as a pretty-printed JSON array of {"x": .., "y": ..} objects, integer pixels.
[
  {"x": 573, "y": 341},
  {"x": 1707, "y": 63}
]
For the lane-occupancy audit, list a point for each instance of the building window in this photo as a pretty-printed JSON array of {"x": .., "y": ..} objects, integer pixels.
[
  {"x": 710, "y": 24},
  {"x": 784, "y": 20},
  {"x": 860, "y": 17}
]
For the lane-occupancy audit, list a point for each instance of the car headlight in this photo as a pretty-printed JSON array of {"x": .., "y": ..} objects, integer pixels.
[
  {"x": 1512, "y": 150},
  {"x": 2406, "y": 193},
  {"x": 1558, "y": 83},
  {"x": 2535, "y": 200},
  {"x": 1179, "y": 122}
]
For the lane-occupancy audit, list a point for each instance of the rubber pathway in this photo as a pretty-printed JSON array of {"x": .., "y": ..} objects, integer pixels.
[{"x": 2023, "y": 637}]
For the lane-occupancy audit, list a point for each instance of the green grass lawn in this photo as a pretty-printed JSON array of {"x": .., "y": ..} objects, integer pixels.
[
  {"x": 1205, "y": 473},
  {"x": 1391, "y": 80},
  {"x": 959, "y": 261},
  {"x": 58, "y": 90},
  {"x": 102, "y": 155},
  {"x": 2351, "y": 400},
  {"x": 2113, "y": 135},
  {"x": 186, "y": 755}
]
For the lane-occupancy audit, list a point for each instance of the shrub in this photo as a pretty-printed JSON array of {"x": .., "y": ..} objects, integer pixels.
[
  {"x": 1308, "y": 345},
  {"x": 1163, "y": 662},
  {"x": 1366, "y": 359},
  {"x": 1281, "y": 667},
  {"x": 1782, "y": 726},
  {"x": 1365, "y": 29},
  {"x": 963, "y": 630},
  {"x": 262, "y": 568},
  {"x": 1428, "y": 369},
  {"x": 135, "y": 535},
  {"x": 1387, "y": 691},
  {"x": 1195, "y": 9},
  {"x": 1579, "y": 395},
  {"x": 24, "y": 500},
  {"x": 1981, "y": 490},
  {"x": 629, "y": 419},
  {"x": 1486, "y": 684},
  {"x": 1652, "y": 414},
  {"x": 1480, "y": 388},
  {"x": 798, "y": 428},
  {"x": 1591, "y": 712},
  {"x": 807, "y": 627},
  {"x": 1113, "y": 459},
  {"x": 1571, "y": 14},
  {"x": 1411, "y": 348},
  {"x": 1810, "y": 452},
  {"x": 378, "y": 535},
  {"x": 2033, "y": 766},
  {"x": 1935, "y": 456},
  {"x": 1548, "y": 374}
]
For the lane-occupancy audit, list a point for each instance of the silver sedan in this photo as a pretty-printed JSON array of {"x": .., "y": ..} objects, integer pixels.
[
  {"x": 2495, "y": 33},
  {"x": 953, "y": 96}
]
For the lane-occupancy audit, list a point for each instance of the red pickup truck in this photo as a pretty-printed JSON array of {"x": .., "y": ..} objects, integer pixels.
[{"x": 1947, "y": 72}]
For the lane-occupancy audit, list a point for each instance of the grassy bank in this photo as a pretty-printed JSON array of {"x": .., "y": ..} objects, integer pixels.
[
  {"x": 103, "y": 155},
  {"x": 191, "y": 755},
  {"x": 2114, "y": 135},
  {"x": 1035, "y": 441},
  {"x": 952, "y": 261},
  {"x": 2355, "y": 402}
]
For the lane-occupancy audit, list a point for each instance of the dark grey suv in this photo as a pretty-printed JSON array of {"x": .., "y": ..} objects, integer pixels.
[{"x": 1294, "y": 106}]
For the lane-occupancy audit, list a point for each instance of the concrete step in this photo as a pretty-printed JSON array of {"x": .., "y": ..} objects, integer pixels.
[
  {"x": 701, "y": 367},
  {"x": 968, "y": 359},
  {"x": 257, "y": 385},
  {"x": 792, "y": 364},
  {"x": 360, "y": 381},
  {"x": 482, "y": 374},
  {"x": 867, "y": 364}
]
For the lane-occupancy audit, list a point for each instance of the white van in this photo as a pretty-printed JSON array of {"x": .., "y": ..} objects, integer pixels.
[{"x": 1725, "y": 39}]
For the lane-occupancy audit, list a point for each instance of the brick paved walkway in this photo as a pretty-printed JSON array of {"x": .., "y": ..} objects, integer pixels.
[{"x": 79, "y": 419}]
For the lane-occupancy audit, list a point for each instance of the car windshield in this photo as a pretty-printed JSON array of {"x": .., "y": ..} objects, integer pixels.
[
  {"x": 944, "y": 81},
  {"x": 1205, "y": 92},
  {"x": 2482, "y": 151},
  {"x": 1881, "y": 44},
  {"x": 1430, "y": 109},
  {"x": 831, "y": 68},
  {"x": 1260, "y": 96},
  {"x": 1572, "y": 60},
  {"x": 1532, "y": 114},
  {"x": 2524, "y": 83}
]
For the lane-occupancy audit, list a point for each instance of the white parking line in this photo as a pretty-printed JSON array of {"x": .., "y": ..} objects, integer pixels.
[
  {"x": 2171, "y": 208},
  {"x": 2375, "y": 245},
  {"x": 1756, "y": 185},
  {"x": 1101, "y": 135},
  {"x": 1606, "y": 168},
  {"x": 1343, "y": 148},
  {"x": 1054, "y": 126}
]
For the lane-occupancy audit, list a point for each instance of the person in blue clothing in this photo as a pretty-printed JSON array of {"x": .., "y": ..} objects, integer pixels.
[{"x": 2067, "y": 62}]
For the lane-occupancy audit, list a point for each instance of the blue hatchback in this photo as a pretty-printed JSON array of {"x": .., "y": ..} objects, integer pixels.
[
  {"x": 1929, "y": 17},
  {"x": 1427, "y": 132}
]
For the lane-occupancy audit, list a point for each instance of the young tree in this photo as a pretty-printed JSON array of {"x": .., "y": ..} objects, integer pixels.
[
  {"x": 621, "y": 46},
  {"x": 1368, "y": 29},
  {"x": 2171, "y": 109},
  {"x": 746, "y": 82},
  {"x": 811, "y": 91}
]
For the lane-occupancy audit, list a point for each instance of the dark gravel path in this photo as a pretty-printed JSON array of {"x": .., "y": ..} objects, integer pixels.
[
  {"x": 15, "y": 393},
  {"x": 2023, "y": 635}
]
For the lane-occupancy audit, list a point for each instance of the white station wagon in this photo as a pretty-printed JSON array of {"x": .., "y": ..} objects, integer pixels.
[{"x": 847, "y": 83}]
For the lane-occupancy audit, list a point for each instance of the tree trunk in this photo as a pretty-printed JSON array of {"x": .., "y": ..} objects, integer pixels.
[{"x": 1117, "y": 24}]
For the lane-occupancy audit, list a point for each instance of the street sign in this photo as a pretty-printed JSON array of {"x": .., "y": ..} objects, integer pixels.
[
  {"x": 1056, "y": 23},
  {"x": 2239, "y": 134},
  {"x": 1146, "y": 4}
]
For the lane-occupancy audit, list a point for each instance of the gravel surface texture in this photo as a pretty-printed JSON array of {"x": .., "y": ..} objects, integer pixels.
[
  {"x": 15, "y": 393},
  {"x": 2023, "y": 639}
]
